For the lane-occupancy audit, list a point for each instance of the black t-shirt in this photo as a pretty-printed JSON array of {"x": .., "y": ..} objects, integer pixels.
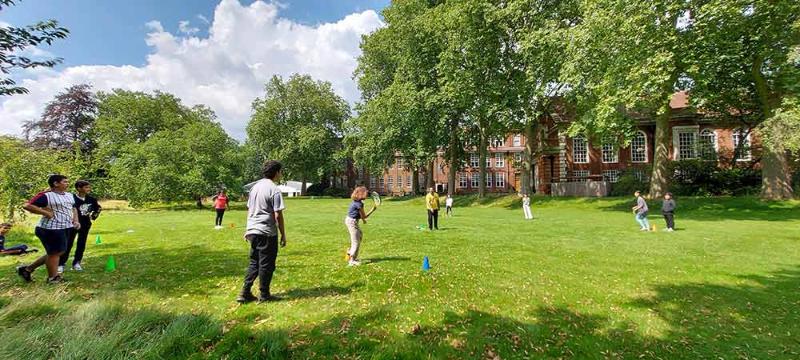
[
  {"x": 2, "y": 242},
  {"x": 88, "y": 208}
]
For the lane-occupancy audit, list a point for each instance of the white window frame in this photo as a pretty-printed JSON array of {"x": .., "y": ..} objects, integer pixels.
[
  {"x": 474, "y": 160},
  {"x": 634, "y": 146},
  {"x": 373, "y": 183},
  {"x": 585, "y": 157},
  {"x": 500, "y": 180},
  {"x": 409, "y": 181},
  {"x": 580, "y": 175},
  {"x": 518, "y": 157},
  {"x": 389, "y": 183},
  {"x": 748, "y": 154},
  {"x": 676, "y": 147},
  {"x": 400, "y": 182},
  {"x": 611, "y": 176},
  {"x": 488, "y": 179},
  {"x": 380, "y": 183},
  {"x": 499, "y": 160},
  {"x": 488, "y": 160},
  {"x": 609, "y": 149},
  {"x": 476, "y": 180},
  {"x": 517, "y": 141},
  {"x": 707, "y": 132},
  {"x": 498, "y": 142},
  {"x": 462, "y": 181}
]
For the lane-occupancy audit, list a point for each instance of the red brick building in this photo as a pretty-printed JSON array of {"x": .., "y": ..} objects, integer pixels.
[{"x": 575, "y": 159}]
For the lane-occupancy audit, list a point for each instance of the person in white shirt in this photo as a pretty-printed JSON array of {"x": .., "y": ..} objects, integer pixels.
[
  {"x": 448, "y": 205},
  {"x": 526, "y": 206}
]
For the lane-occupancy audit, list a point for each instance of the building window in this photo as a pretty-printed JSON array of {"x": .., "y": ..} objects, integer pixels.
[
  {"x": 580, "y": 150},
  {"x": 488, "y": 179},
  {"x": 499, "y": 160},
  {"x": 708, "y": 144},
  {"x": 380, "y": 183},
  {"x": 476, "y": 180},
  {"x": 580, "y": 175},
  {"x": 488, "y": 160},
  {"x": 462, "y": 180},
  {"x": 498, "y": 143},
  {"x": 408, "y": 182},
  {"x": 517, "y": 140},
  {"x": 372, "y": 183},
  {"x": 400, "y": 182},
  {"x": 640, "y": 175},
  {"x": 401, "y": 163},
  {"x": 473, "y": 160},
  {"x": 518, "y": 157},
  {"x": 610, "y": 153},
  {"x": 741, "y": 145},
  {"x": 639, "y": 148},
  {"x": 611, "y": 176},
  {"x": 500, "y": 180},
  {"x": 684, "y": 139},
  {"x": 389, "y": 184}
]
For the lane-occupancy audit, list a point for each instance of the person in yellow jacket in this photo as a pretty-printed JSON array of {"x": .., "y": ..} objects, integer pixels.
[{"x": 432, "y": 203}]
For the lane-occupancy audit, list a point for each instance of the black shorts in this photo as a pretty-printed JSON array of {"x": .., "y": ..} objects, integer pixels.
[{"x": 54, "y": 241}]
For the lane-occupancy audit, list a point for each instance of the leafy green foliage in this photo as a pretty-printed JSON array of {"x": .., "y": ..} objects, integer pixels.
[
  {"x": 16, "y": 39},
  {"x": 706, "y": 178},
  {"x": 298, "y": 122}
]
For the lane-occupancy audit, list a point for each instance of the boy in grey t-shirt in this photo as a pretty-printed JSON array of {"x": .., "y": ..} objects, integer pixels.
[
  {"x": 640, "y": 210},
  {"x": 264, "y": 223}
]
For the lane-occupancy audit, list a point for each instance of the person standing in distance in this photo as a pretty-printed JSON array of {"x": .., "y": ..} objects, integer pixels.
[
  {"x": 448, "y": 206},
  {"x": 264, "y": 222},
  {"x": 432, "y": 203},
  {"x": 220, "y": 205},
  {"x": 59, "y": 216},
  {"x": 526, "y": 206}
]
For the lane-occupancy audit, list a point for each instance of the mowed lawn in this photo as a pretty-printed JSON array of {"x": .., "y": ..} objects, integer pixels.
[{"x": 579, "y": 281}]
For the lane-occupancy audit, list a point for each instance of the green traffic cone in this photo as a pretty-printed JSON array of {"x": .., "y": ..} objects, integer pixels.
[
  {"x": 97, "y": 240},
  {"x": 111, "y": 264}
]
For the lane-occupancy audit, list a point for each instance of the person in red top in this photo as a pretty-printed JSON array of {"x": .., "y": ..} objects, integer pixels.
[{"x": 220, "y": 204}]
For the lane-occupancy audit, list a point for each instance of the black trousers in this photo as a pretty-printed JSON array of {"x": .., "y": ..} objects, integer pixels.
[
  {"x": 433, "y": 219},
  {"x": 220, "y": 214},
  {"x": 448, "y": 210},
  {"x": 263, "y": 252},
  {"x": 82, "y": 235},
  {"x": 670, "y": 219}
]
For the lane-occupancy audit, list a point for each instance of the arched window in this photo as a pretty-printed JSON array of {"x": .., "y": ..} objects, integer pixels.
[
  {"x": 639, "y": 147},
  {"x": 580, "y": 150},
  {"x": 610, "y": 154},
  {"x": 708, "y": 144}
]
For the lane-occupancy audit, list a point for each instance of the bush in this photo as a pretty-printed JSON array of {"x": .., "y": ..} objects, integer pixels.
[
  {"x": 706, "y": 178},
  {"x": 337, "y": 192},
  {"x": 629, "y": 181}
]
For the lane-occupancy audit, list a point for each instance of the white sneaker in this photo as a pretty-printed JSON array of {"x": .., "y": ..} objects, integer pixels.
[
  {"x": 644, "y": 229},
  {"x": 670, "y": 230},
  {"x": 60, "y": 269},
  {"x": 77, "y": 267},
  {"x": 217, "y": 227},
  {"x": 353, "y": 263}
]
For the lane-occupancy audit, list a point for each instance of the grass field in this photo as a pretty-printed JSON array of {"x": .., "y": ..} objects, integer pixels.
[{"x": 579, "y": 281}]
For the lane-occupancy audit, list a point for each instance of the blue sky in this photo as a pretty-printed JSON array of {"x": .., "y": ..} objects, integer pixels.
[
  {"x": 140, "y": 45},
  {"x": 112, "y": 32}
]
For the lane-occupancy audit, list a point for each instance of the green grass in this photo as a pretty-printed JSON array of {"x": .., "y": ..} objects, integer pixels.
[{"x": 579, "y": 281}]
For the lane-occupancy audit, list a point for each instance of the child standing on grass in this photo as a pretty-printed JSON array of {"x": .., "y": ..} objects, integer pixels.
[
  {"x": 640, "y": 210},
  {"x": 668, "y": 210},
  {"x": 88, "y": 210},
  {"x": 448, "y": 206},
  {"x": 526, "y": 207},
  {"x": 220, "y": 205},
  {"x": 14, "y": 250},
  {"x": 354, "y": 213}
]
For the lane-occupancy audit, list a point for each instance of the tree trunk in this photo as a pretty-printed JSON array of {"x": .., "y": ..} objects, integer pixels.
[
  {"x": 414, "y": 180},
  {"x": 303, "y": 186},
  {"x": 776, "y": 178},
  {"x": 454, "y": 151},
  {"x": 659, "y": 178},
  {"x": 199, "y": 202},
  {"x": 482, "y": 165},
  {"x": 431, "y": 179}
]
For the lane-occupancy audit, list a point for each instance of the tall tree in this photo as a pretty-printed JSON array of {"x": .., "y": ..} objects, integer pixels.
[
  {"x": 66, "y": 122},
  {"x": 16, "y": 39},
  {"x": 477, "y": 70},
  {"x": 743, "y": 65},
  {"x": 299, "y": 122},
  {"x": 629, "y": 56}
]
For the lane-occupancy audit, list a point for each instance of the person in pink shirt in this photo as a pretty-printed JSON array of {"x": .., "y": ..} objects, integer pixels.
[{"x": 220, "y": 204}]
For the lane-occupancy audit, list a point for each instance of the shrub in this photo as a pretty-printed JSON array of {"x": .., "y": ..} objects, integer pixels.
[
  {"x": 706, "y": 178},
  {"x": 629, "y": 181},
  {"x": 337, "y": 192}
]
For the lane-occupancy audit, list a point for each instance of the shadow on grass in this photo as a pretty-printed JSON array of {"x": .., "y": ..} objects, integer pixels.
[
  {"x": 386, "y": 258},
  {"x": 754, "y": 319},
  {"x": 720, "y": 208},
  {"x": 319, "y": 291}
]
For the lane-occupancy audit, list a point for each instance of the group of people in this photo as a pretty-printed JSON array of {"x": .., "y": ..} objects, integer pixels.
[
  {"x": 640, "y": 210},
  {"x": 65, "y": 217}
]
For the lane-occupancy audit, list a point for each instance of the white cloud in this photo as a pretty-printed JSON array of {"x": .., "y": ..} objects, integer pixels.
[
  {"x": 186, "y": 28},
  {"x": 226, "y": 70}
]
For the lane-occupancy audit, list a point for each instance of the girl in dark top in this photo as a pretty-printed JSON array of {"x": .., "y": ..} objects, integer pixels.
[{"x": 355, "y": 213}]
